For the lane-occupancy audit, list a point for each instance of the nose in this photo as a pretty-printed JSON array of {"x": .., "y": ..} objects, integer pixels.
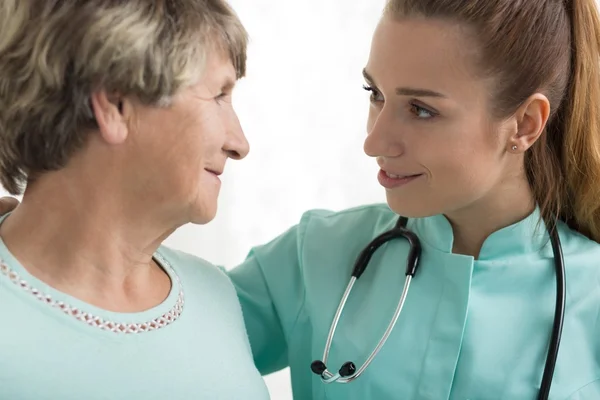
[
  {"x": 383, "y": 136},
  {"x": 236, "y": 145}
]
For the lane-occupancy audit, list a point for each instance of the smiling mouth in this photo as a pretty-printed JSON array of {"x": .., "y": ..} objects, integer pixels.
[
  {"x": 392, "y": 181},
  {"x": 394, "y": 176}
]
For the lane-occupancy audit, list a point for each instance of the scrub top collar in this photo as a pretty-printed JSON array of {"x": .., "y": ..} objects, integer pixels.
[{"x": 524, "y": 237}]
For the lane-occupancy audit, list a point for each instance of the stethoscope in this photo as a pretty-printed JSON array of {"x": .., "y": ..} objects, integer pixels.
[{"x": 348, "y": 372}]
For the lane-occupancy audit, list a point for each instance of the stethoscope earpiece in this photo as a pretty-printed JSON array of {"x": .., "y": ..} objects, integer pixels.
[
  {"x": 318, "y": 367},
  {"x": 347, "y": 369}
]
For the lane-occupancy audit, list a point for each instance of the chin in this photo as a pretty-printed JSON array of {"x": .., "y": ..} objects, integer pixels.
[
  {"x": 203, "y": 214},
  {"x": 202, "y": 219},
  {"x": 201, "y": 206}
]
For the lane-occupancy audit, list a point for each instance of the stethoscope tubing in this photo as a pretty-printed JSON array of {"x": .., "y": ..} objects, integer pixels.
[{"x": 347, "y": 373}]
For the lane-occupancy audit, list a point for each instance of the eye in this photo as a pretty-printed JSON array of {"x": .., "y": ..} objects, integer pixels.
[
  {"x": 221, "y": 97},
  {"x": 375, "y": 95},
  {"x": 421, "y": 112}
]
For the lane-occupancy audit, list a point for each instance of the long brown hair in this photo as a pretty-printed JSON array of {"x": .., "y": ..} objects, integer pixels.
[{"x": 552, "y": 47}]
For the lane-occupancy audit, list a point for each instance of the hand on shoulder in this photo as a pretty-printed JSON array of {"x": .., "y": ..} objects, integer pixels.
[{"x": 7, "y": 204}]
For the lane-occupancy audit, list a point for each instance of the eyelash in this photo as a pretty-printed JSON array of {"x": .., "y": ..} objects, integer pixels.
[
  {"x": 219, "y": 98},
  {"x": 373, "y": 91},
  {"x": 414, "y": 108}
]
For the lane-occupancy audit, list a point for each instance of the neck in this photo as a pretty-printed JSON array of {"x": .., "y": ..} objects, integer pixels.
[
  {"x": 472, "y": 225},
  {"x": 83, "y": 236}
]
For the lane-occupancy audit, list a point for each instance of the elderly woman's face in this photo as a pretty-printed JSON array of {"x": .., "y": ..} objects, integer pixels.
[{"x": 183, "y": 148}]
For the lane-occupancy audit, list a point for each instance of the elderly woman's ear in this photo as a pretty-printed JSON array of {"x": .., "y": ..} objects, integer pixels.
[{"x": 109, "y": 113}]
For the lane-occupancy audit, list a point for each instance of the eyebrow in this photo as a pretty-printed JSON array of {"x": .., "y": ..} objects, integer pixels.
[{"x": 407, "y": 91}]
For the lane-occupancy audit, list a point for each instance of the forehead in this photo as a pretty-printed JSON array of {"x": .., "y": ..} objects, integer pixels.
[
  {"x": 425, "y": 53},
  {"x": 218, "y": 68},
  {"x": 217, "y": 76}
]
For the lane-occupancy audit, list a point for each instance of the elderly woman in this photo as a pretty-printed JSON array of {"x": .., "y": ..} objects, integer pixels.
[{"x": 115, "y": 124}]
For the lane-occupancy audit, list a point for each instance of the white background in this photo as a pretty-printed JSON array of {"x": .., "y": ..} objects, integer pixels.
[{"x": 304, "y": 112}]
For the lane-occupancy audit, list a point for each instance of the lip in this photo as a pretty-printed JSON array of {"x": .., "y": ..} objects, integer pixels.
[
  {"x": 392, "y": 183},
  {"x": 214, "y": 172}
]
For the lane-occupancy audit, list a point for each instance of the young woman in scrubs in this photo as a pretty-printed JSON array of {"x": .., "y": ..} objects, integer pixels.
[{"x": 484, "y": 117}]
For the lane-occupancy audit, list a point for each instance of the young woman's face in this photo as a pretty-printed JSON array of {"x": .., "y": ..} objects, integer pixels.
[{"x": 430, "y": 124}]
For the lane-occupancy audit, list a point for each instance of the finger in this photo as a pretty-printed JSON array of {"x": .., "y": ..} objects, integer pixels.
[{"x": 7, "y": 204}]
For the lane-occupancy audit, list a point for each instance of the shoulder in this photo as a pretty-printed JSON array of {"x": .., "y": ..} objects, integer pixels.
[
  {"x": 351, "y": 224},
  {"x": 579, "y": 247},
  {"x": 193, "y": 270},
  {"x": 373, "y": 216},
  {"x": 339, "y": 236},
  {"x": 321, "y": 228},
  {"x": 322, "y": 234},
  {"x": 582, "y": 267}
]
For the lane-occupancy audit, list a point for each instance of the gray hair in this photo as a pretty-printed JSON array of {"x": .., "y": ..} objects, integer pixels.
[{"x": 55, "y": 53}]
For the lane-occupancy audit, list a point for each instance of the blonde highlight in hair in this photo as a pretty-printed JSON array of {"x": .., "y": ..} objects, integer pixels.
[
  {"x": 548, "y": 46},
  {"x": 55, "y": 53}
]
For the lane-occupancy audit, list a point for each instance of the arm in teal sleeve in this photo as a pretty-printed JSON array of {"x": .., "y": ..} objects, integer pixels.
[{"x": 270, "y": 287}]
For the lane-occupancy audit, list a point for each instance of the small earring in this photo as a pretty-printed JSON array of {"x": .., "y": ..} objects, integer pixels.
[{"x": 514, "y": 148}]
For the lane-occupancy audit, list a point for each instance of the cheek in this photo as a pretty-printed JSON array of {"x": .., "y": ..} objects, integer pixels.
[
  {"x": 199, "y": 146},
  {"x": 196, "y": 141},
  {"x": 468, "y": 167},
  {"x": 174, "y": 154}
]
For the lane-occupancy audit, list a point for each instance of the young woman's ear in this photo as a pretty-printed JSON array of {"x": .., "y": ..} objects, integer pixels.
[{"x": 532, "y": 117}]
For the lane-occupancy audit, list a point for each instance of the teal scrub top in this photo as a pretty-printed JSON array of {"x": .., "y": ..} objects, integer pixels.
[{"x": 470, "y": 329}]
